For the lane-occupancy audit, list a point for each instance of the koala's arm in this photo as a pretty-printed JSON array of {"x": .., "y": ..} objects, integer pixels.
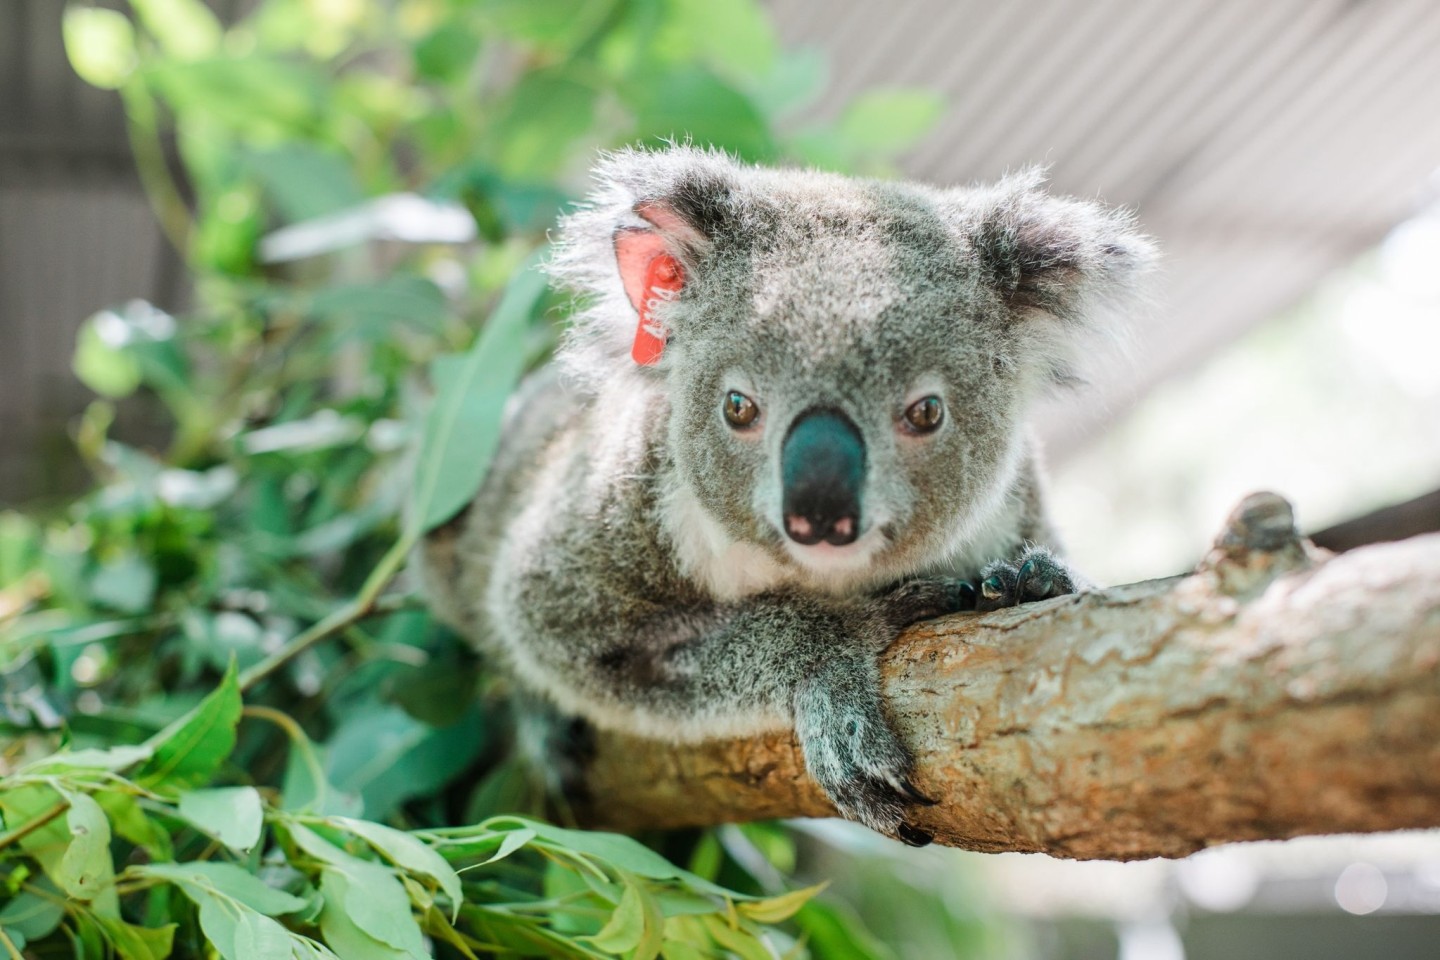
[{"x": 590, "y": 636}]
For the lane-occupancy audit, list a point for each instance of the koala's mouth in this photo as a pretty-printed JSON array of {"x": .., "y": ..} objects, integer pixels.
[{"x": 830, "y": 558}]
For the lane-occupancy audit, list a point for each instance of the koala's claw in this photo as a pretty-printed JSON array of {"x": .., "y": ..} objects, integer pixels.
[
  {"x": 913, "y": 836},
  {"x": 914, "y": 601},
  {"x": 856, "y": 757},
  {"x": 906, "y": 789},
  {"x": 1038, "y": 575}
]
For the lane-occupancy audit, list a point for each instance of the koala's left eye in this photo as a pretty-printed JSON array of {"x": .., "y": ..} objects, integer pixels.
[
  {"x": 925, "y": 414},
  {"x": 740, "y": 410}
]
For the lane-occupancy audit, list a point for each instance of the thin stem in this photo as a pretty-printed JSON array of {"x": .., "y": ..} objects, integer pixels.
[
  {"x": 23, "y": 831},
  {"x": 298, "y": 741},
  {"x": 10, "y": 947},
  {"x": 356, "y": 610},
  {"x": 143, "y": 128}
]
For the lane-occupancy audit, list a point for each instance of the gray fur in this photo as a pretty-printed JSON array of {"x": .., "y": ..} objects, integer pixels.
[{"x": 625, "y": 555}]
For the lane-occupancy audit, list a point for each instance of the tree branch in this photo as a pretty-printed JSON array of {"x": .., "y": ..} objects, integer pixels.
[{"x": 1277, "y": 691}]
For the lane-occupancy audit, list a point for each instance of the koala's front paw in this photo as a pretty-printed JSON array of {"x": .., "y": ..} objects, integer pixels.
[
  {"x": 854, "y": 755},
  {"x": 1037, "y": 575},
  {"x": 925, "y": 599}
]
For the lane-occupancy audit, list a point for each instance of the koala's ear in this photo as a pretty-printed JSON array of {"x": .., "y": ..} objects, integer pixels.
[
  {"x": 638, "y": 248},
  {"x": 1068, "y": 258}
]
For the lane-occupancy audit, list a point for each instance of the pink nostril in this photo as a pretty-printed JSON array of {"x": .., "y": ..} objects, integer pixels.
[
  {"x": 844, "y": 527},
  {"x": 798, "y": 526}
]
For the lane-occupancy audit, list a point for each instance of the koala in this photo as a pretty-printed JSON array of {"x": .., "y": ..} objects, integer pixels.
[{"x": 788, "y": 422}]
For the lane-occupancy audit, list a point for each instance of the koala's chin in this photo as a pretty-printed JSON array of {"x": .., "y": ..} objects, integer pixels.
[{"x": 832, "y": 568}]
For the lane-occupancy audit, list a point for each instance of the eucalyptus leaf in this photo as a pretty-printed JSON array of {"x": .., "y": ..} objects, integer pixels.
[
  {"x": 126, "y": 584},
  {"x": 32, "y": 915},
  {"x": 233, "y": 815},
  {"x": 340, "y": 926},
  {"x": 780, "y": 908},
  {"x": 138, "y": 943},
  {"x": 407, "y": 852},
  {"x": 257, "y": 935},
  {"x": 100, "y": 44},
  {"x": 113, "y": 758},
  {"x": 213, "y": 877},
  {"x": 463, "y": 426},
  {"x": 186, "y": 29},
  {"x": 86, "y": 870},
  {"x": 626, "y": 926},
  {"x": 191, "y": 749}
]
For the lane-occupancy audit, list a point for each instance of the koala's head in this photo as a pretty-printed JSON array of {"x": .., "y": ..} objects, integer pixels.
[{"x": 846, "y": 362}]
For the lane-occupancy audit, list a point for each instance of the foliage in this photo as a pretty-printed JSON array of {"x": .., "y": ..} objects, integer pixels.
[{"x": 353, "y": 186}]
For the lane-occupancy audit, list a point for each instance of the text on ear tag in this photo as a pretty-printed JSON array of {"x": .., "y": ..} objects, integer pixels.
[{"x": 663, "y": 279}]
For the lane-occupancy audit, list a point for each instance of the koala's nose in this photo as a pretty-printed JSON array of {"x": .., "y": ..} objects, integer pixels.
[{"x": 822, "y": 467}]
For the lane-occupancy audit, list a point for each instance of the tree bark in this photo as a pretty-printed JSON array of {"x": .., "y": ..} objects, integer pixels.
[{"x": 1275, "y": 692}]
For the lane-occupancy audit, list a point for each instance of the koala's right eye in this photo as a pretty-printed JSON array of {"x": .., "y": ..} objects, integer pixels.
[{"x": 740, "y": 410}]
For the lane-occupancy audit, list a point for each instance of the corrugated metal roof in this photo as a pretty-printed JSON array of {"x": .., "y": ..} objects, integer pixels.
[{"x": 1265, "y": 144}]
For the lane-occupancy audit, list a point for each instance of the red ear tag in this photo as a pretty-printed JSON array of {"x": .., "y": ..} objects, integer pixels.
[{"x": 663, "y": 279}]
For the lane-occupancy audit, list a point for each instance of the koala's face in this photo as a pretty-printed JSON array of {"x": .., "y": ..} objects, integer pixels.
[
  {"x": 849, "y": 403},
  {"x": 847, "y": 361}
]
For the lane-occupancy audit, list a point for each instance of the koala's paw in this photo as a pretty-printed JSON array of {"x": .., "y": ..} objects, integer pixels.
[
  {"x": 1037, "y": 575},
  {"x": 859, "y": 762},
  {"x": 925, "y": 598}
]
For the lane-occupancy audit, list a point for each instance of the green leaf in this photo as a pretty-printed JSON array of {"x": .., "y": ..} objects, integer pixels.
[
  {"x": 305, "y": 181},
  {"x": 129, "y": 820},
  {"x": 100, "y": 44},
  {"x": 737, "y": 940},
  {"x": 405, "y": 851},
  {"x": 373, "y": 310},
  {"x": 219, "y": 921},
  {"x": 540, "y": 119},
  {"x": 447, "y": 51},
  {"x": 781, "y": 908},
  {"x": 126, "y": 583},
  {"x": 626, "y": 925},
  {"x": 190, "y": 750},
  {"x": 19, "y": 546},
  {"x": 32, "y": 915},
  {"x": 102, "y": 366},
  {"x": 890, "y": 121},
  {"x": 373, "y": 900},
  {"x": 233, "y": 815},
  {"x": 680, "y": 950},
  {"x": 835, "y": 931},
  {"x": 114, "y": 758},
  {"x": 186, "y": 29},
  {"x": 138, "y": 943},
  {"x": 86, "y": 870},
  {"x": 555, "y": 25},
  {"x": 690, "y": 102},
  {"x": 795, "y": 82},
  {"x": 212, "y": 877},
  {"x": 514, "y": 840},
  {"x": 264, "y": 97},
  {"x": 259, "y": 936},
  {"x": 343, "y": 933},
  {"x": 463, "y": 426},
  {"x": 734, "y": 35},
  {"x": 613, "y": 848}
]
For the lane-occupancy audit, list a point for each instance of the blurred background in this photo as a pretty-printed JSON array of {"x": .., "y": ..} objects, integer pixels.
[{"x": 230, "y": 232}]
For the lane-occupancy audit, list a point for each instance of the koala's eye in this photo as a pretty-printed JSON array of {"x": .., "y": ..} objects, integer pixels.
[
  {"x": 925, "y": 414},
  {"x": 740, "y": 410}
]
